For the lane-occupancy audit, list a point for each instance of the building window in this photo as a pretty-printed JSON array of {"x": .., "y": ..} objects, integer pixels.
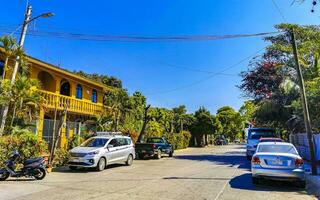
[
  {"x": 65, "y": 88},
  {"x": 1, "y": 67},
  {"x": 94, "y": 96},
  {"x": 79, "y": 92}
]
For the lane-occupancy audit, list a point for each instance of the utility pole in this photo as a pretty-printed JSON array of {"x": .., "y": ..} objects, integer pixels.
[
  {"x": 21, "y": 41},
  {"x": 304, "y": 104},
  {"x": 26, "y": 22},
  {"x": 16, "y": 64}
]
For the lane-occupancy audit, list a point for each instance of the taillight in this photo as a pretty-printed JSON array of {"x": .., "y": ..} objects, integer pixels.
[
  {"x": 255, "y": 160},
  {"x": 299, "y": 162}
]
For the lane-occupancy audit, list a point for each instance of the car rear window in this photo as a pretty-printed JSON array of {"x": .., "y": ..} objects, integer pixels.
[
  {"x": 259, "y": 133},
  {"x": 277, "y": 148},
  {"x": 154, "y": 140}
]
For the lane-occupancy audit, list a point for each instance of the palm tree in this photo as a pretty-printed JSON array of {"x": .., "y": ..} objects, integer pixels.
[
  {"x": 9, "y": 46},
  {"x": 11, "y": 50},
  {"x": 25, "y": 99}
]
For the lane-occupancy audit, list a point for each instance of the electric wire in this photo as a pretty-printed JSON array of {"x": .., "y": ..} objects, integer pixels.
[{"x": 208, "y": 77}]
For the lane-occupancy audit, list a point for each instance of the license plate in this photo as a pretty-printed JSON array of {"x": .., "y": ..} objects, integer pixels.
[{"x": 276, "y": 162}]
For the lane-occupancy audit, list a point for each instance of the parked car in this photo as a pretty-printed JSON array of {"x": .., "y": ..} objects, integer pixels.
[
  {"x": 100, "y": 151},
  {"x": 253, "y": 137},
  {"x": 154, "y": 147},
  {"x": 271, "y": 140},
  {"x": 278, "y": 161},
  {"x": 220, "y": 140}
]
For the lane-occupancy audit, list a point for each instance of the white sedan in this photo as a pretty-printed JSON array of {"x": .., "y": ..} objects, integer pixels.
[{"x": 277, "y": 161}]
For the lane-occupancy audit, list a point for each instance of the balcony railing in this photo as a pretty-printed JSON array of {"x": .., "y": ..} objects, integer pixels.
[{"x": 81, "y": 106}]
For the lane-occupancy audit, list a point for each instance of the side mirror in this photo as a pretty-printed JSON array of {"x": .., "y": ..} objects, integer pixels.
[{"x": 109, "y": 146}]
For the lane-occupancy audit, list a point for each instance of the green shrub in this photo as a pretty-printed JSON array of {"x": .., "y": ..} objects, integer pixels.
[
  {"x": 179, "y": 140},
  {"x": 61, "y": 157},
  {"x": 25, "y": 142}
]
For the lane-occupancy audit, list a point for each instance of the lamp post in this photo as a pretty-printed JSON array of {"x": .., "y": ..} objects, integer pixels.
[{"x": 26, "y": 22}]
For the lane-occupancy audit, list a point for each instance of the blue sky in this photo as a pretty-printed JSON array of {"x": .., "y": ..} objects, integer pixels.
[{"x": 148, "y": 66}]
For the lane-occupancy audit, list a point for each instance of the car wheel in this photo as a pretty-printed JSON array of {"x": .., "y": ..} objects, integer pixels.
[
  {"x": 255, "y": 180},
  {"x": 171, "y": 154},
  {"x": 129, "y": 160},
  {"x": 73, "y": 167},
  {"x": 158, "y": 155},
  {"x": 301, "y": 184},
  {"x": 101, "y": 164}
]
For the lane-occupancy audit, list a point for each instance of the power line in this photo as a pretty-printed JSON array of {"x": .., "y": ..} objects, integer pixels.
[
  {"x": 208, "y": 77},
  {"x": 279, "y": 10},
  {"x": 131, "y": 38}
]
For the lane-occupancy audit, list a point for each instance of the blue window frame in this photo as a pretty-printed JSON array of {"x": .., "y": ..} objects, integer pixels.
[
  {"x": 94, "y": 96},
  {"x": 79, "y": 92}
]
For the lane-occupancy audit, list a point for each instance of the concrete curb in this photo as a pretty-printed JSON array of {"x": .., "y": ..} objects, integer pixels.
[{"x": 313, "y": 184}]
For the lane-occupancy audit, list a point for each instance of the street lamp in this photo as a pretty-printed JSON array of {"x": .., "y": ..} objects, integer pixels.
[
  {"x": 26, "y": 21},
  {"x": 25, "y": 24}
]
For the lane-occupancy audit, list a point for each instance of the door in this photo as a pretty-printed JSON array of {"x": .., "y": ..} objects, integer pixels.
[
  {"x": 112, "y": 151},
  {"x": 123, "y": 150}
]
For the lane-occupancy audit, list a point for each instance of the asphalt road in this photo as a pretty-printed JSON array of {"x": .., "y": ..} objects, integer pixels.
[{"x": 195, "y": 173}]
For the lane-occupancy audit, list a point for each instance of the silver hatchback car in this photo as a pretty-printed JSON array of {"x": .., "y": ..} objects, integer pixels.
[
  {"x": 100, "y": 151},
  {"x": 278, "y": 161}
]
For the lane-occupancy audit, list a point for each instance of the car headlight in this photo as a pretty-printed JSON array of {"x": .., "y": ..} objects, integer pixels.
[{"x": 93, "y": 153}]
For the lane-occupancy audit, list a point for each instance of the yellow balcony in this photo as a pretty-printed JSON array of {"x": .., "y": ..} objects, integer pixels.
[{"x": 81, "y": 106}]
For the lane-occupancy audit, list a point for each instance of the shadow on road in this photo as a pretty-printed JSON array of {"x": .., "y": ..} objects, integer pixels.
[
  {"x": 244, "y": 182},
  {"x": 221, "y": 159},
  {"x": 84, "y": 170},
  {"x": 194, "y": 178}
]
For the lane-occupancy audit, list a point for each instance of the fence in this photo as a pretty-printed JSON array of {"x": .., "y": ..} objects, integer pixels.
[{"x": 300, "y": 141}]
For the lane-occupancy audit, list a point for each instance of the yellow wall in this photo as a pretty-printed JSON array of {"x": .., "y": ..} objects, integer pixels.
[{"x": 51, "y": 77}]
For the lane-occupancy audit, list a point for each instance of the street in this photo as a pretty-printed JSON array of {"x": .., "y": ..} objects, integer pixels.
[{"x": 194, "y": 173}]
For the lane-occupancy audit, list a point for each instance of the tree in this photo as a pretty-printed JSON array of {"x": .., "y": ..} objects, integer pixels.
[
  {"x": 11, "y": 50},
  {"x": 118, "y": 101},
  {"x": 274, "y": 88},
  {"x": 231, "y": 122},
  {"x": 203, "y": 126}
]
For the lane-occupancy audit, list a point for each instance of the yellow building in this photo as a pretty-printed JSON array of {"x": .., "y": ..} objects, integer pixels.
[{"x": 81, "y": 97}]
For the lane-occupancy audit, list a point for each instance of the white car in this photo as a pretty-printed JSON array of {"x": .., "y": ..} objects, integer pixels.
[
  {"x": 277, "y": 161},
  {"x": 100, "y": 151}
]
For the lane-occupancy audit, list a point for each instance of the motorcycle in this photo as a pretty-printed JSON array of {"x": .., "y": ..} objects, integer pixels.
[{"x": 34, "y": 167}]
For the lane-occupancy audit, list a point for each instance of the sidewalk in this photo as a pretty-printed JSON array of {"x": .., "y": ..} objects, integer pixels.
[{"x": 313, "y": 182}]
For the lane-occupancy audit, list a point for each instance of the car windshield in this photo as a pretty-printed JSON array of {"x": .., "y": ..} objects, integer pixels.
[
  {"x": 154, "y": 140},
  {"x": 257, "y": 134},
  {"x": 95, "y": 142},
  {"x": 277, "y": 148}
]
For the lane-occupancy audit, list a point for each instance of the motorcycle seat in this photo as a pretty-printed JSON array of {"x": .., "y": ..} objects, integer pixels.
[{"x": 32, "y": 160}]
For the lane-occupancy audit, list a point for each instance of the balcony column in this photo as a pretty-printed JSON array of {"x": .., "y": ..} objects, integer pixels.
[
  {"x": 73, "y": 86},
  {"x": 58, "y": 81}
]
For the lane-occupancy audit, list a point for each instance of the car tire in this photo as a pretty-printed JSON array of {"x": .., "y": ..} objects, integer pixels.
[
  {"x": 158, "y": 155},
  {"x": 301, "y": 184},
  {"x": 73, "y": 168},
  {"x": 255, "y": 180},
  {"x": 101, "y": 164},
  {"x": 171, "y": 154},
  {"x": 129, "y": 160}
]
